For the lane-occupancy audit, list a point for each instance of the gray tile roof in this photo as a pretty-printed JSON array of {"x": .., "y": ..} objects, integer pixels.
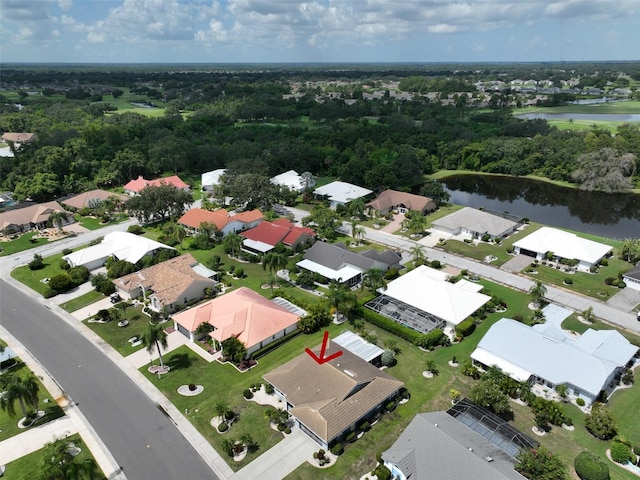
[
  {"x": 436, "y": 445},
  {"x": 336, "y": 256},
  {"x": 633, "y": 273},
  {"x": 476, "y": 221}
]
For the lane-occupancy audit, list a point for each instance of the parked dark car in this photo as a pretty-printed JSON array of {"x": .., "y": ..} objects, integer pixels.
[{"x": 115, "y": 298}]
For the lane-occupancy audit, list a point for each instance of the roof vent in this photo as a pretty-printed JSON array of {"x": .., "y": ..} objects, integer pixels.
[
  {"x": 470, "y": 449},
  {"x": 488, "y": 459},
  {"x": 350, "y": 373},
  {"x": 435, "y": 425}
]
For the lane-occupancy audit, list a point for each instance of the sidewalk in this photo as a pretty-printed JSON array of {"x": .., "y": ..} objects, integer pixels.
[{"x": 73, "y": 421}]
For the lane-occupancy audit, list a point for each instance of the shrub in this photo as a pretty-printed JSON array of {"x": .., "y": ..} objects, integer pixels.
[
  {"x": 223, "y": 427},
  {"x": 388, "y": 358},
  {"x": 391, "y": 274},
  {"x": 390, "y": 406},
  {"x": 79, "y": 274},
  {"x": 37, "y": 263},
  {"x": 248, "y": 394},
  {"x": 268, "y": 389},
  {"x": 49, "y": 292},
  {"x": 436, "y": 264},
  {"x": 390, "y": 326},
  {"x": 593, "y": 269},
  {"x": 364, "y": 426},
  {"x": 466, "y": 327},
  {"x": 281, "y": 427},
  {"x": 63, "y": 264},
  {"x": 600, "y": 423},
  {"x": 620, "y": 453},
  {"x": 609, "y": 280},
  {"x": 67, "y": 251},
  {"x": 486, "y": 237},
  {"x": 604, "y": 262},
  {"x": 337, "y": 449},
  {"x": 636, "y": 449},
  {"x": 135, "y": 229},
  {"x": 350, "y": 437},
  {"x": 432, "y": 339},
  {"x": 567, "y": 281},
  {"x": 382, "y": 472},
  {"x": 239, "y": 272},
  {"x": 590, "y": 466},
  {"x": 287, "y": 430},
  {"x": 61, "y": 283},
  {"x": 510, "y": 249},
  {"x": 467, "y": 240},
  {"x": 580, "y": 402}
]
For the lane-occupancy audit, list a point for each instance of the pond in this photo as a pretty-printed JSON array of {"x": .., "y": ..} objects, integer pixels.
[
  {"x": 613, "y": 216},
  {"x": 604, "y": 117}
]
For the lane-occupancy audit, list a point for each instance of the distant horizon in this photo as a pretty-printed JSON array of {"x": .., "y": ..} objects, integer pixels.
[{"x": 318, "y": 31}]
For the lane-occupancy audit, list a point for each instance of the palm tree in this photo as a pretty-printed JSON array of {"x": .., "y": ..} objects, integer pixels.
[
  {"x": 233, "y": 242},
  {"x": 221, "y": 408},
  {"x": 307, "y": 180},
  {"x": 417, "y": 252},
  {"x": 430, "y": 366},
  {"x": 356, "y": 207},
  {"x": 357, "y": 232},
  {"x": 417, "y": 222},
  {"x": 374, "y": 279},
  {"x": 273, "y": 262},
  {"x": 338, "y": 295},
  {"x": 248, "y": 442},
  {"x": 538, "y": 292},
  {"x": 58, "y": 219},
  {"x": 562, "y": 390},
  {"x": 24, "y": 391},
  {"x": 155, "y": 335},
  {"x": 538, "y": 317}
]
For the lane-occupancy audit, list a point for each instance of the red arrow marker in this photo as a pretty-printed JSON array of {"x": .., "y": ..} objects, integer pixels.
[{"x": 322, "y": 359}]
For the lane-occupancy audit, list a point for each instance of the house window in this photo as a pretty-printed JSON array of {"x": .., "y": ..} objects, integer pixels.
[{"x": 185, "y": 300}]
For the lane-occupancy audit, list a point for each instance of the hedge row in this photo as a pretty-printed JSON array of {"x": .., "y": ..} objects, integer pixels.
[
  {"x": 466, "y": 327},
  {"x": 390, "y": 326}
]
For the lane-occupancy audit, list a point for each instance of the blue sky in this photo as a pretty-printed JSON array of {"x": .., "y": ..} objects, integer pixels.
[{"x": 224, "y": 31}]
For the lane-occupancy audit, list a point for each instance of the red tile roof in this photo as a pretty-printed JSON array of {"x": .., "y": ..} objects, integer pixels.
[
  {"x": 248, "y": 217},
  {"x": 281, "y": 230},
  {"x": 139, "y": 183}
]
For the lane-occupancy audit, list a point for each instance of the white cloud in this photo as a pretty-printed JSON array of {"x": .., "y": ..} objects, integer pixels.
[
  {"x": 65, "y": 4},
  {"x": 94, "y": 37}
]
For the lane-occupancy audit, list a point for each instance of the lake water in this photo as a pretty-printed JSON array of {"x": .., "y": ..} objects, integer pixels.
[
  {"x": 605, "y": 117},
  {"x": 614, "y": 216}
]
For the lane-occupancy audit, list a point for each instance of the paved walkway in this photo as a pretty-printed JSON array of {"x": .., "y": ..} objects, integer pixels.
[
  {"x": 281, "y": 459},
  {"x": 73, "y": 422},
  {"x": 85, "y": 312}
]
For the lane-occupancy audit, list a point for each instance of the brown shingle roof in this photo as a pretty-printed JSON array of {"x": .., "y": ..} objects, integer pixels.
[
  {"x": 31, "y": 214},
  {"x": 390, "y": 198},
  {"x": 18, "y": 137},
  {"x": 168, "y": 279},
  {"x": 83, "y": 199},
  {"x": 331, "y": 397}
]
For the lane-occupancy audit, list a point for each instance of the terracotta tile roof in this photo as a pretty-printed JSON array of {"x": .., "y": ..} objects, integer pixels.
[
  {"x": 241, "y": 313},
  {"x": 248, "y": 217},
  {"x": 168, "y": 280},
  {"x": 329, "y": 398},
  {"x": 194, "y": 217},
  {"x": 281, "y": 230},
  {"x": 32, "y": 214},
  {"x": 139, "y": 183},
  {"x": 18, "y": 137},
  {"x": 83, "y": 199},
  {"x": 390, "y": 198}
]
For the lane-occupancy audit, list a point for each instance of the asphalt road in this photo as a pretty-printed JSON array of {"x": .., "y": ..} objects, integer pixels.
[{"x": 144, "y": 442}]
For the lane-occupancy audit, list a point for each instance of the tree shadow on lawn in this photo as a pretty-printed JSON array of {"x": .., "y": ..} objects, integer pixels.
[{"x": 179, "y": 361}]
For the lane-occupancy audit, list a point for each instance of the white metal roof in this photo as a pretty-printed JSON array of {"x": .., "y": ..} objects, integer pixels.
[
  {"x": 448, "y": 301},
  {"x": 212, "y": 177},
  {"x": 342, "y": 192},
  {"x": 289, "y": 179},
  {"x": 358, "y": 346},
  {"x": 345, "y": 273},
  {"x": 516, "y": 347},
  {"x": 257, "y": 245},
  {"x": 203, "y": 271},
  {"x": 563, "y": 244},
  {"x": 124, "y": 245}
]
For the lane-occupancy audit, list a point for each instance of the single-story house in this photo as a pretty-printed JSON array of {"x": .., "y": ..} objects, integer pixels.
[
  {"x": 32, "y": 217},
  {"x": 291, "y": 180},
  {"x": 437, "y": 445},
  {"x": 544, "y": 354},
  {"x": 475, "y": 224},
  {"x": 134, "y": 187},
  {"x": 92, "y": 198},
  {"x": 211, "y": 179},
  {"x": 243, "y": 314},
  {"x": 222, "y": 219},
  {"x": 341, "y": 193},
  {"x": 267, "y": 235},
  {"x": 360, "y": 347},
  {"x": 424, "y": 300},
  {"x": 632, "y": 278},
  {"x": 121, "y": 245},
  {"x": 401, "y": 202},
  {"x": 170, "y": 284},
  {"x": 337, "y": 262},
  {"x": 328, "y": 400},
  {"x": 18, "y": 138},
  {"x": 563, "y": 245}
]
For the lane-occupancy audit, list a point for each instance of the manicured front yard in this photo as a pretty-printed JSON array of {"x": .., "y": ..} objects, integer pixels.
[
  {"x": 34, "y": 278},
  {"x": 82, "y": 301},
  {"x": 20, "y": 468},
  {"x": 20, "y": 244},
  {"x": 9, "y": 425},
  {"x": 118, "y": 337}
]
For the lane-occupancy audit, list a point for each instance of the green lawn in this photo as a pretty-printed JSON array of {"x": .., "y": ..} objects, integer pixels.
[
  {"x": 482, "y": 249},
  {"x": 33, "y": 278},
  {"x": 9, "y": 425},
  {"x": 117, "y": 336},
  {"x": 20, "y": 468},
  {"x": 82, "y": 301},
  {"x": 20, "y": 244},
  {"x": 93, "y": 223}
]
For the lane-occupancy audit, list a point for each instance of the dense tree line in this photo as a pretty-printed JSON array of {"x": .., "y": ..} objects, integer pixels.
[{"x": 376, "y": 143}]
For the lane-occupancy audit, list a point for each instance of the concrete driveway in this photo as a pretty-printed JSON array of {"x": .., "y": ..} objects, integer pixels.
[
  {"x": 86, "y": 312},
  {"x": 626, "y": 300}
]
